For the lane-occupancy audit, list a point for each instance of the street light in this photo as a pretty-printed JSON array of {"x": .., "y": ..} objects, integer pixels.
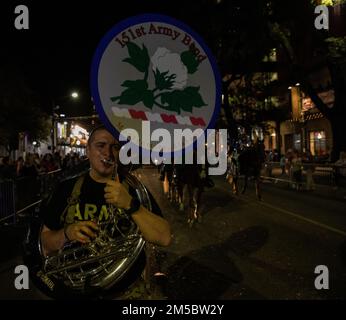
[{"x": 74, "y": 95}]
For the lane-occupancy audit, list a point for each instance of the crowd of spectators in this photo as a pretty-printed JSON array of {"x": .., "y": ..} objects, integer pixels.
[
  {"x": 294, "y": 163},
  {"x": 34, "y": 164}
]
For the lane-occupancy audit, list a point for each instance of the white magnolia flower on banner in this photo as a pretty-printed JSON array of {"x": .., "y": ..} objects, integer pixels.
[
  {"x": 170, "y": 90},
  {"x": 164, "y": 60}
]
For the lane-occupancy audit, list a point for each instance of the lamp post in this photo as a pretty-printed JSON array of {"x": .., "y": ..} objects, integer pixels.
[{"x": 55, "y": 116}]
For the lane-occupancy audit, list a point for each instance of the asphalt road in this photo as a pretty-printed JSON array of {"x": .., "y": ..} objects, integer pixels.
[
  {"x": 242, "y": 249},
  {"x": 250, "y": 249}
]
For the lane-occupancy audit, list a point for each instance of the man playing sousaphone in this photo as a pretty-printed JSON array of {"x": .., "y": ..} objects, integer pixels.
[{"x": 79, "y": 221}]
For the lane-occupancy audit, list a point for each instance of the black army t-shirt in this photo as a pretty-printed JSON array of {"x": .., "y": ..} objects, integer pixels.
[{"x": 91, "y": 206}]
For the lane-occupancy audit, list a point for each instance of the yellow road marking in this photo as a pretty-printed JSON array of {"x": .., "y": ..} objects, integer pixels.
[
  {"x": 298, "y": 216},
  {"x": 290, "y": 213}
]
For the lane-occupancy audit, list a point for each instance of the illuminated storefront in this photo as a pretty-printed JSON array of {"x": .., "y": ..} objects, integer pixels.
[
  {"x": 310, "y": 131},
  {"x": 71, "y": 137},
  {"x": 317, "y": 142}
]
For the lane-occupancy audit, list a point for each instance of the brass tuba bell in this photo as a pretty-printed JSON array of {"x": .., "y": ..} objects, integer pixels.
[{"x": 100, "y": 264}]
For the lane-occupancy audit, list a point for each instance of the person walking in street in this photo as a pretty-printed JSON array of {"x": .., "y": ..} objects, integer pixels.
[
  {"x": 283, "y": 164},
  {"x": 296, "y": 168}
]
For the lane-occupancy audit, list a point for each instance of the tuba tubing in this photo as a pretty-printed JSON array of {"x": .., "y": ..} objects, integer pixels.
[{"x": 104, "y": 261}]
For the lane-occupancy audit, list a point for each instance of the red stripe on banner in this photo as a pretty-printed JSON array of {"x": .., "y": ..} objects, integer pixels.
[
  {"x": 169, "y": 118},
  {"x": 138, "y": 114},
  {"x": 197, "y": 121}
]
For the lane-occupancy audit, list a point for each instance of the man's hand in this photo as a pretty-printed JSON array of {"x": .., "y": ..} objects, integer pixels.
[
  {"x": 117, "y": 195},
  {"x": 81, "y": 231}
]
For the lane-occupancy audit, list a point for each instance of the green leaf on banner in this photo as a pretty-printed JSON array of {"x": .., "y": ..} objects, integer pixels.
[
  {"x": 134, "y": 92},
  {"x": 139, "y": 58},
  {"x": 148, "y": 99},
  {"x": 185, "y": 100},
  {"x": 139, "y": 85},
  {"x": 190, "y": 61},
  {"x": 162, "y": 81}
]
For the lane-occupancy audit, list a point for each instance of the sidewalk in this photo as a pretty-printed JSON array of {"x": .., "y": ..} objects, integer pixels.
[{"x": 322, "y": 186}]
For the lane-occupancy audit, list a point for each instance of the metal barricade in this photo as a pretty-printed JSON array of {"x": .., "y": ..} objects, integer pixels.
[
  {"x": 325, "y": 174},
  {"x": 48, "y": 182},
  {"x": 27, "y": 191},
  {"x": 19, "y": 196},
  {"x": 7, "y": 201}
]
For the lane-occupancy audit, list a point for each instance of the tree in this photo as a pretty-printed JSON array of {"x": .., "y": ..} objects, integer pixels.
[
  {"x": 20, "y": 111},
  {"x": 304, "y": 43},
  {"x": 240, "y": 33}
]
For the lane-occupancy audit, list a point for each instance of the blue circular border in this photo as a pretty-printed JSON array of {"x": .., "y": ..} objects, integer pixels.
[{"x": 118, "y": 28}]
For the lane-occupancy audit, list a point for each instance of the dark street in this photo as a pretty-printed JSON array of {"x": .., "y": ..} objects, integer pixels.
[
  {"x": 242, "y": 248},
  {"x": 246, "y": 249},
  {"x": 197, "y": 102}
]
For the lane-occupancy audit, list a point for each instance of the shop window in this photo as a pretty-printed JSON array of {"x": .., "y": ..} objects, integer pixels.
[
  {"x": 297, "y": 142},
  {"x": 318, "y": 143}
]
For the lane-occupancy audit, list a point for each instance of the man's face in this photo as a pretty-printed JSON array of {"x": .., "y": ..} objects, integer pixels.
[{"x": 102, "y": 147}]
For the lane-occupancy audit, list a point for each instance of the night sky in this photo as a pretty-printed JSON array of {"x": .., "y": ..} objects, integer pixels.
[{"x": 55, "y": 54}]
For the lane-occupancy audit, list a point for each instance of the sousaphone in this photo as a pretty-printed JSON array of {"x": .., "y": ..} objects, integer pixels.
[{"x": 82, "y": 269}]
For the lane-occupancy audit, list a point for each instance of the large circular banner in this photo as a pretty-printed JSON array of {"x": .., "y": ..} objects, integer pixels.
[{"x": 153, "y": 79}]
